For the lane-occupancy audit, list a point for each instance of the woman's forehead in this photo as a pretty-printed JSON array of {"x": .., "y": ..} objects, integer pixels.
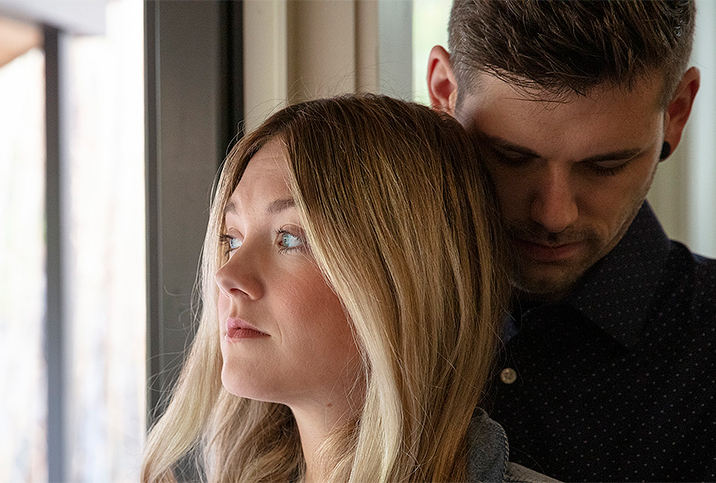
[{"x": 265, "y": 184}]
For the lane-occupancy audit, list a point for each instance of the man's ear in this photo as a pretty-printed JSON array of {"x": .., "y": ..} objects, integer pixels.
[
  {"x": 679, "y": 108},
  {"x": 442, "y": 85}
]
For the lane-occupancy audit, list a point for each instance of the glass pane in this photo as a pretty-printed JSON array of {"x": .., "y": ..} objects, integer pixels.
[
  {"x": 430, "y": 20},
  {"x": 106, "y": 261},
  {"x": 23, "y": 377}
]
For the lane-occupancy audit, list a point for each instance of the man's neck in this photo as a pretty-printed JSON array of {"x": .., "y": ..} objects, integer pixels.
[{"x": 534, "y": 299}]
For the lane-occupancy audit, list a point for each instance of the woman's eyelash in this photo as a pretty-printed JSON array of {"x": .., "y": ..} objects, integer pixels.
[
  {"x": 226, "y": 241},
  {"x": 282, "y": 235},
  {"x": 285, "y": 240}
]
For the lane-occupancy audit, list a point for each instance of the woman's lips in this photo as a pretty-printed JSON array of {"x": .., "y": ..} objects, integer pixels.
[
  {"x": 240, "y": 329},
  {"x": 548, "y": 253}
]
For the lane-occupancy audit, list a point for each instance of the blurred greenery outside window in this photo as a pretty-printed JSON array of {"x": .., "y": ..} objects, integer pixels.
[{"x": 430, "y": 19}]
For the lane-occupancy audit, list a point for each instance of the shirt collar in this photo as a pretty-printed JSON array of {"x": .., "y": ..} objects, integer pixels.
[{"x": 618, "y": 290}]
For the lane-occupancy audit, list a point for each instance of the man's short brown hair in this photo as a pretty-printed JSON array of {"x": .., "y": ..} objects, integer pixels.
[{"x": 566, "y": 47}]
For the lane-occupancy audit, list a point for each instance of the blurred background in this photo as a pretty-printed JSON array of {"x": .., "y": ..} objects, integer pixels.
[{"x": 114, "y": 117}]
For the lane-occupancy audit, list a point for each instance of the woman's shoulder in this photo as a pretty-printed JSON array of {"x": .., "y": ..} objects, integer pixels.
[
  {"x": 518, "y": 473},
  {"x": 487, "y": 449},
  {"x": 488, "y": 454}
]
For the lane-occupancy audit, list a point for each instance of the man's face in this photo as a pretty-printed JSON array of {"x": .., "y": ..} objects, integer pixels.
[{"x": 570, "y": 174}]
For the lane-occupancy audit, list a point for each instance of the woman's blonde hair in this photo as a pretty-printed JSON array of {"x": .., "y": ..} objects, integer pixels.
[{"x": 400, "y": 219}]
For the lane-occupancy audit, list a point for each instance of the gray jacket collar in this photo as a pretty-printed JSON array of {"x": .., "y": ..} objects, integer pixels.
[
  {"x": 488, "y": 454},
  {"x": 487, "y": 449}
]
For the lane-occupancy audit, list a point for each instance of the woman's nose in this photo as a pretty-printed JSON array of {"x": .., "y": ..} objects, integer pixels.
[{"x": 240, "y": 276}]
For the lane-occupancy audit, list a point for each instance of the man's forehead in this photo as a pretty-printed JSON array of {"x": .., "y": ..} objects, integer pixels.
[
  {"x": 485, "y": 85},
  {"x": 577, "y": 130}
]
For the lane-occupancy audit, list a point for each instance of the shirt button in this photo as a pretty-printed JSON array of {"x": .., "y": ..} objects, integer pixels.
[{"x": 508, "y": 375}]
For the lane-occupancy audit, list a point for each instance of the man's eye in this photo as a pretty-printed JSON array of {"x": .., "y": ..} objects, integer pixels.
[
  {"x": 608, "y": 168},
  {"x": 511, "y": 159}
]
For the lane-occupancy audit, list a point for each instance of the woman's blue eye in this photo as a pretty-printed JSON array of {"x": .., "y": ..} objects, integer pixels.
[
  {"x": 234, "y": 243},
  {"x": 290, "y": 241},
  {"x": 231, "y": 242}
]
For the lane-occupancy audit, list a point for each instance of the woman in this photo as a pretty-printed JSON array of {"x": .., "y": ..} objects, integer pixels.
[{"x": 350, "y": 297}]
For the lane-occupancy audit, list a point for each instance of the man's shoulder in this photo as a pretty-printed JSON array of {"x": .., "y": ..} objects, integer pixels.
[
  {"x": 693, "y": 270},
  {"x": 688, "y": 289},
  {"x": 706, "y": 266},
  {"x": 706, "y": 273}
]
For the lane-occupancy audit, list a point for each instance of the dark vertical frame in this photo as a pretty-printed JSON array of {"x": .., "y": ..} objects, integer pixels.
[
  {"x": 54, "y": 342},
  {"x": 152, "y": 149},
  {"x": 182, "y": 71},
  {"x": 232, "y": 68},
  {"x": 194, "y": 104}
]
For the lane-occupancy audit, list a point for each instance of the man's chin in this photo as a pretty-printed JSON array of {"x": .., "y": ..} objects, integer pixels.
[{"x": 546, "y": 287}]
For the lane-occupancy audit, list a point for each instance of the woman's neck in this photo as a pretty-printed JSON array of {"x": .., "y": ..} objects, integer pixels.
[
  {"x": 314, "y": 427},
  {"x": 320, "y": 417}
]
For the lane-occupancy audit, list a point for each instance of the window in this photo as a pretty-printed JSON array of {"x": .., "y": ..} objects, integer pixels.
[
  {"x": 23, "y": 377},
  {"x": 90, "y": 426},
  {"x": 430, "y": 21},
  {"x": 105, "y": 249}
]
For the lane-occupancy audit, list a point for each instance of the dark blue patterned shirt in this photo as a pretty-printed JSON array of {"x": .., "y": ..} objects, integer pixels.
[{"x": 618, "y": 382}]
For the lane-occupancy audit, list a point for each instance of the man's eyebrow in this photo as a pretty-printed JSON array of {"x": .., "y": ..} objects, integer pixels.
[
  {"x": 619, "y": 155},
  {"x": 508, "y": 146}
]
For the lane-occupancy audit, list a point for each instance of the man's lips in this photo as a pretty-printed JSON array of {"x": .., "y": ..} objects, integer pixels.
[
  {"x": 547, "y": 253},
  {"x": 237, "y": 328}
]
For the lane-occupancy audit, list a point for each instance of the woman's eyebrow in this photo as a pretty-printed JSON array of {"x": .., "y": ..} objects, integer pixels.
[
  {"x": 274, "y": 207},
  {"x": 229, "y": 208},
  {"x": 279, "y": 205}
]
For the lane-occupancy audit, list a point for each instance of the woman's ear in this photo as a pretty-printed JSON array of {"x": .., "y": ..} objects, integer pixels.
[
  {"x": 442, "y": 85},
  {"x": 679, "y": 108}
]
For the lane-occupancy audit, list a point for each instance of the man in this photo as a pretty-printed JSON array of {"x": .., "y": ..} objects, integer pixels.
[{"x": 609, "y": 369}]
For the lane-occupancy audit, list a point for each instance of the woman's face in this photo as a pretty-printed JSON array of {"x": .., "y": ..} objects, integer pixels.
[{"x": 284, "y": 335}]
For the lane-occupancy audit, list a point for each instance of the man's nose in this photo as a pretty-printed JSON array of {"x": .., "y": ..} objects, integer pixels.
[{"x": 554, "y": 204}]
